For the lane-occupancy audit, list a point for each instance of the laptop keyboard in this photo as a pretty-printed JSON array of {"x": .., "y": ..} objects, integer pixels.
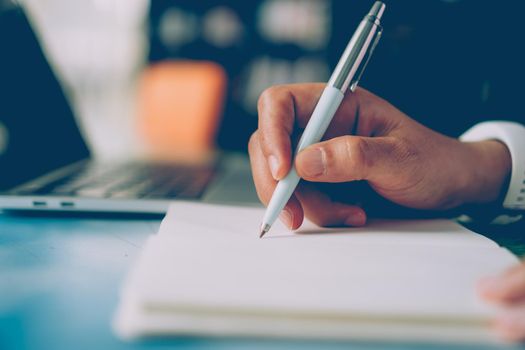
[{"x": 133, "y": 181}]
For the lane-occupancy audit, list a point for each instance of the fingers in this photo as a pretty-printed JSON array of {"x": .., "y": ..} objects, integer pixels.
[
  {"x": 510, "y": 324},
  {"x": 322, "y": 211},
  {"x": 506, "y": 288},
  {"x": 349, "y": 158},
  {"x": 292, "y": 215},
  {"x": 316, "y": 205},
  {"x": 276, "y": 110},
  {"x": 283, "y": 107}
]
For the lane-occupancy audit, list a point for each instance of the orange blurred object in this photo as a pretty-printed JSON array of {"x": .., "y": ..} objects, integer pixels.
[{"x": 180, "y": 105}]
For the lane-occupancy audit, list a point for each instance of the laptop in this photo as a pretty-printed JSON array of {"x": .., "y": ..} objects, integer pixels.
[{"x": 45, "y": 164}]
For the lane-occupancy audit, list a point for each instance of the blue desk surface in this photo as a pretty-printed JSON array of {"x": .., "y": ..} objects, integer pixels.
[{"x": 59, "y": 285}]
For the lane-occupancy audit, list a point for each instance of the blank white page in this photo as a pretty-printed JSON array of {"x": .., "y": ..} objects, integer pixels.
[{"x": 209, "y": 258}]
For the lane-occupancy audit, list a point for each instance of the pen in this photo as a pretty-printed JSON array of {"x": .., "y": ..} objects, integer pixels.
[{"x": 346, "y": 75}]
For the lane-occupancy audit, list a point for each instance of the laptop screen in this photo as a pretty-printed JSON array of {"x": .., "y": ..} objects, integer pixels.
[{"x": 38, "y": 132}]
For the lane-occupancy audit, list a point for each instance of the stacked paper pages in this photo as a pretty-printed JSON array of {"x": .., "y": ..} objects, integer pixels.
[{"x": 206, "y": 272}]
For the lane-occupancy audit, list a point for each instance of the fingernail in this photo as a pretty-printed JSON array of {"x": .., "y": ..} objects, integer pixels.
[
  {"x": 356, "y": 219},
  {"x": 286, "y": 217},
  {"x": 274, "y": 166},
  {"x": 312, "y": 162}
]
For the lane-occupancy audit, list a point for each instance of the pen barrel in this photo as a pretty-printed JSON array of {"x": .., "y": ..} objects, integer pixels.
[
  {"x": 282, "y": 193},
  {"x": 346, "y": 74},
  {"x": 358, "y": 50},
  {"x": 319, "y": 121},
  {"x": 321, "y": 117}
]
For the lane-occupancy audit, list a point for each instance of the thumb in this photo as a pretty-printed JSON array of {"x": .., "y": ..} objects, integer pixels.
[{"x": 349, "y": 158}]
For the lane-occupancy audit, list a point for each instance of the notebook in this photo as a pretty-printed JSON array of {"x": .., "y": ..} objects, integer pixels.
[{"x": 207, "y": 273}]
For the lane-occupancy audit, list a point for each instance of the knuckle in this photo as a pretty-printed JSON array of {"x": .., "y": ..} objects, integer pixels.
[
  {"x": 328, "y": 160},
  {"x": 356, "y": 151},
  {"x": 268, "y": 94},
  {"x": 404, "y": 152}
]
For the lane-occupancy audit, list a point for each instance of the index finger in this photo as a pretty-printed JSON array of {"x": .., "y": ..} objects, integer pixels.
[{"x": 283, "y": 107}]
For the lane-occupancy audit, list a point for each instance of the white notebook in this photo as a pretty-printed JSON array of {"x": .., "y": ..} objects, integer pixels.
[{"x": 207, "y": 273}]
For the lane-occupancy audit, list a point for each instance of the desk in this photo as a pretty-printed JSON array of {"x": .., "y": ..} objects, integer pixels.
[{"x": 59, "y": 284}]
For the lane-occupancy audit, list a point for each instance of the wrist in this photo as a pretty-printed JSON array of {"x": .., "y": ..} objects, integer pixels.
[{"x": 488, "y": 167}]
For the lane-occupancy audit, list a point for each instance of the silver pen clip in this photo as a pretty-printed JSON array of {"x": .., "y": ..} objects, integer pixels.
[{"x": 365, "y": 60}]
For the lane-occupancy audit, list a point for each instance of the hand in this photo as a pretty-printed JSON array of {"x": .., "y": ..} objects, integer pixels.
[
  {"x": 508, "y": 290},
  {"x": 368, "y": 139}
]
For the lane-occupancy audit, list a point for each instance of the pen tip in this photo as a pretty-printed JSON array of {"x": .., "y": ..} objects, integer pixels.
[{"x": 264, "y": 228}]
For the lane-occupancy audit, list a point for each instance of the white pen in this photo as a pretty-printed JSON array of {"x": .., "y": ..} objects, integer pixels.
[{"x": 345, "y": 76}]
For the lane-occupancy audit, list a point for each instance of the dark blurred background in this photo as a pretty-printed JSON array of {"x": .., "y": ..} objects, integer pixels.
[
  {"x": 448, "y": 64},
  {"x": 163, "y": 75}
]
